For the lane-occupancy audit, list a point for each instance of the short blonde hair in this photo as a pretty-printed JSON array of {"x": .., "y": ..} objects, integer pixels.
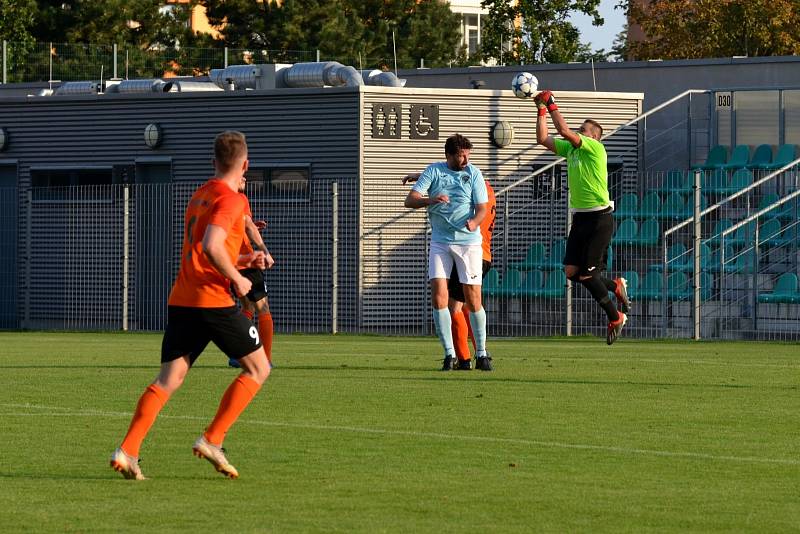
[{"x": 229, "y": 147}]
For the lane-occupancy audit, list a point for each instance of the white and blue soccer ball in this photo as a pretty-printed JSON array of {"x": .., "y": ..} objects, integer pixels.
[{"x": 524, "y": 85}]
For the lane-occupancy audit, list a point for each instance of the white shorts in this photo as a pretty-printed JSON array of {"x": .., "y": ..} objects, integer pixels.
[{"x": 468, "y": 260}]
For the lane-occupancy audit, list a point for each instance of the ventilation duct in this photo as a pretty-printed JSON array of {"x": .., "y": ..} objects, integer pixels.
[
  {"x": 142, "y": 86},
  {"x": 321, "y": 74},
  {"x": 381, "y": 78},
  {"x": 188, "y": 86},
  {"x": 78, "y": 88},
  {"x": 241, "y": 76}
]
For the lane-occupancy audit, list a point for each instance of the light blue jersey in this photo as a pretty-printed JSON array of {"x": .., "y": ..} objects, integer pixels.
[{"x": 466, "y": 189}]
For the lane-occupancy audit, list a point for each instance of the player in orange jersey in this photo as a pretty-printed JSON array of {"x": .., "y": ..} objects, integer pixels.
[
  {"x": 201, "y": 310},
  {"x": 256, "y": 298},
  {"x": 460, "y": 315}
]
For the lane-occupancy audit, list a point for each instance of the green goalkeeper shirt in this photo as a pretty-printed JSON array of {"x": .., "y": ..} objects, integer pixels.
[{"x": 586, "y": 172}]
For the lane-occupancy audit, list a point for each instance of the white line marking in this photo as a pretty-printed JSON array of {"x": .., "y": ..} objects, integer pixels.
[{"x": 67, "y": 412}]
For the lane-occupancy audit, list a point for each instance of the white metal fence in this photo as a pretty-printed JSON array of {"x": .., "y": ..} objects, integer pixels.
[{"x": 104, "y": 258}]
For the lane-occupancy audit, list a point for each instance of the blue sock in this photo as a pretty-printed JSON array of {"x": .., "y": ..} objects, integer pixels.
[
  {"x": 444, "y": 325},
  {"x": 477, "y": 321}
]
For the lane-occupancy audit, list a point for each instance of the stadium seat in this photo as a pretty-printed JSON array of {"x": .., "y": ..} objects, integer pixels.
[
  {"x": 649, "y": 233},
  {"x": 650, "y": 207},
  {"x": 783, "y": 212},
  {"x": 534, "y": 280},
  {"x": 632, "y": 278},
  {"x": 554, "y": 285},
  {"x": 511, "y": 284},
  {"x": 740, "y": 157},
  {"x": 626, "y": 232},
  {"x": 740, "y": 261},
  {"x": 717, "y": 157},
  {"x": 715, "y": 180},
  {"x": 556, "y": 256},
  {"x": 491, "y": 284},
  {"x": 785, "y": 155},
  {"x": 676, "y": 257},
  {"x": 628, "y": 205},
  {"x": 674, "y": 206},
  {"x": 786, "y": 290},
  {"x": 742, "y": 236},
  {"x": 650, "y": 289},
  {"x": 762, "y": 157},
  {"x": 769, "y": 233},
  {"x": 720, "y": 226},
  {"x": 676, "y": 180},
  {"x": 741, "y": 179},
  {"x": 535, "y": 257}
]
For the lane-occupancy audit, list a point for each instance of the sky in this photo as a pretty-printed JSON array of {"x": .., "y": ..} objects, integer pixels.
[{"x": 602, "y": 36}]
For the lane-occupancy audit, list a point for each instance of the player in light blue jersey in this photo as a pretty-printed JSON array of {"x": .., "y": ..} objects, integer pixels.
[{"x": 454, "y": 193}]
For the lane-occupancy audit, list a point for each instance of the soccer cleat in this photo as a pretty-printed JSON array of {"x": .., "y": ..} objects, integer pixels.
[
  {"x": 484, "y": 363},
  {"x": 621, "y": 292},
  {"x": 464, "y": 365},
  {"x": 447, "y": 363},
  {"x": 216, "y": 455},
  {"x": 127, "y": 465},
  {"x": 615, "y": 328},
  {"x": 232, "y": 362}
]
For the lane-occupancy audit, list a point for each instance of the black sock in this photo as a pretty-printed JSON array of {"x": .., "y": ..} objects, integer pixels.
[
  {"x": 611, "y": 285},
  {"x": 600, "y": 293}
]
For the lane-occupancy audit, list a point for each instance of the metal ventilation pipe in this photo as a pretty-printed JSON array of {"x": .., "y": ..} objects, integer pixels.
[
  {"x": 78, "y": 88},
  {"x": 384, "y": 79},
  {"x": 242, "y": 76},
  {"x": 321, "y": 74},
  {"x": 187, "y": 86},
  {"x": 141, "y": 86}
]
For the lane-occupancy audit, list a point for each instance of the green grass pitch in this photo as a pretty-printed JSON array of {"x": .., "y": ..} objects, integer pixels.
[{"x": 364, "y": 434}]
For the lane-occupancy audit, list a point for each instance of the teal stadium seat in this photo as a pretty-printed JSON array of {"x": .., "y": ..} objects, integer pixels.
[
  {"x": 534, "y": 280},
  {"x": 769, "y": 233},
  {"x": 741, "y": 179},
  {"x": 716, "y": 158},
  {"x": 535, "y": 257},
  {"x": 511, "y": 284},
  {"x": 491, "y": 283},
  {"x": 626, "y": 232},
  {"x": 785, "y": 155},
  {"x": 676, "y": 180},
  {"x": 649, "y": 233},
  {"x": 628, "y": 206},
  {"x": 784, "y": 212},
  {"x": 786, "y": 291},
  {"x": 556, "y": 256},
  {"x": 715, "y": 181},
  {"x": 676, "y": 257},
  {"x": 554, "y": 285},
  {"x": 632, "y": 277},
  {"x": 673, "y": 207},
  {"x": 740, "y": 157},
  {"x": 650, "y": 207},
  {"x": 716, "y": 233},
  {"x": 762, "y": 157}
]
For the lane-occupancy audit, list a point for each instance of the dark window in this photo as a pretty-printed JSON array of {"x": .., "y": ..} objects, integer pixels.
[
  {"x": 70, "y": 177},
  {"x": 279, "y": 184}
]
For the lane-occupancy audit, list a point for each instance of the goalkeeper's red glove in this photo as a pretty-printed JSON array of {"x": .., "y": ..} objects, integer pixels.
[{"x": 549, "y": 101}]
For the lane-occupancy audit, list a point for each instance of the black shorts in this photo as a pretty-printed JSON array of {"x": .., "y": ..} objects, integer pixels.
[
  {"x": 190, "y": 329},
  {"x": 259, "y": 289},
  {"x": 589, "y": 237},
  {"x": 454, "y": 287}
]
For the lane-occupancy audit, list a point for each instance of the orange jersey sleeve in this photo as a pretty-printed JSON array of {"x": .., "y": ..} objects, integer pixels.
[
  {"x": 199, "y": 284},
  {"x": 487, "y": 225},
  {"x": 247, "y": 247}
]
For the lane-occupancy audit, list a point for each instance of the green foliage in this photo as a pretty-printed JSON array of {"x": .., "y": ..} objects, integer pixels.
[
  {"x": 364, "y": 434},
  {"x": 16, "y": 20},
  {"x": 344, "y": 30},
  {"x": 686, "y": 29},
  {"x": 529, "y": 31}
]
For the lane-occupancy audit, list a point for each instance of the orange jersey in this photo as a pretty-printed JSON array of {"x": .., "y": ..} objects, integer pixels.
[
  {"x": 247, "y": 247},
  {"x": 487, "y": 225},
  {"x": 199, "y": 284}
]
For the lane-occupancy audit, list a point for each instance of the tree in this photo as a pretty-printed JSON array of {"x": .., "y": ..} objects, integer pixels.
[
  {"x": 16, "y": 20},
  {"x": 344, "y": 29},
  {"x": 535, "y": 31},
  {"x": 682, "y": 29}
]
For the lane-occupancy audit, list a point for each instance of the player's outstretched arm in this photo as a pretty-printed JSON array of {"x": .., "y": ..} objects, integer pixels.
[
  {"x": 411, "y": 177},
  {"x": 542, "y": 134},
  {"x": 546, "y": 99}
]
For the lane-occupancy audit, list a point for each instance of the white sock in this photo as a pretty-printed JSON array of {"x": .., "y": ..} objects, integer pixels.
[
  {"x": 477, "y": 321},
  {"x": 444, "y": 325}
]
